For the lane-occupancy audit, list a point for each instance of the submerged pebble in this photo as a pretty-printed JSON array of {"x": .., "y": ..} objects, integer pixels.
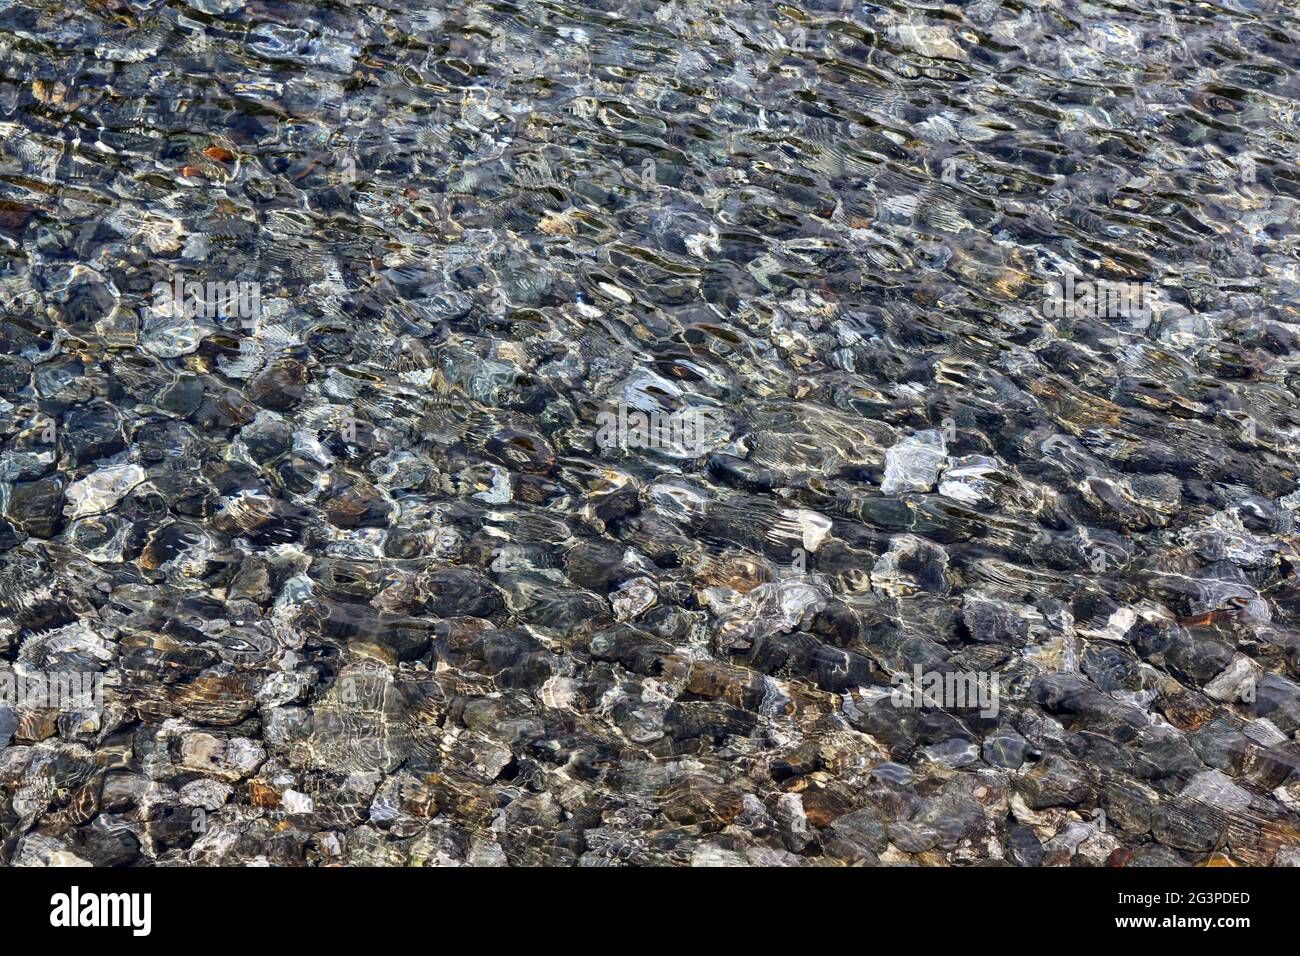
[{"x": 699, "y": 433}]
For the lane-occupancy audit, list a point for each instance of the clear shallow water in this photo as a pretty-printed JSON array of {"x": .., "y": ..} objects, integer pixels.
[{"x": 349, "y": 549}]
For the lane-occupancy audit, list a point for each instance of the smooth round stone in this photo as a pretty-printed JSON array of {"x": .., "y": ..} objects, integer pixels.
[
  {"x": 1005, "y": 749},
  {"x": 892, "y": 773},
  {"x": 955, "y": 752},
  {"x": 913, "y": 837}
]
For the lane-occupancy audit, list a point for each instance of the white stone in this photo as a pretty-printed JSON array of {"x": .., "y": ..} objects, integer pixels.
[
  {"x": 914, "y": 463},
  {"x": 102, "y": 490}
]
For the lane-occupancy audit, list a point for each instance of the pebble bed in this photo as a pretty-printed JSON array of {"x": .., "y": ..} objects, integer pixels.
[{"x": 639, "y": 433}]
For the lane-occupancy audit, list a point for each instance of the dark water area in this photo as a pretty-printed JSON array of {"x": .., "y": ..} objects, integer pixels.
[{"x": 649, "y": 433}]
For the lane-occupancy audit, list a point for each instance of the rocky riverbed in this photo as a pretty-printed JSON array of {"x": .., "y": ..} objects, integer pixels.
[{"x": 639, "y": 433}]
